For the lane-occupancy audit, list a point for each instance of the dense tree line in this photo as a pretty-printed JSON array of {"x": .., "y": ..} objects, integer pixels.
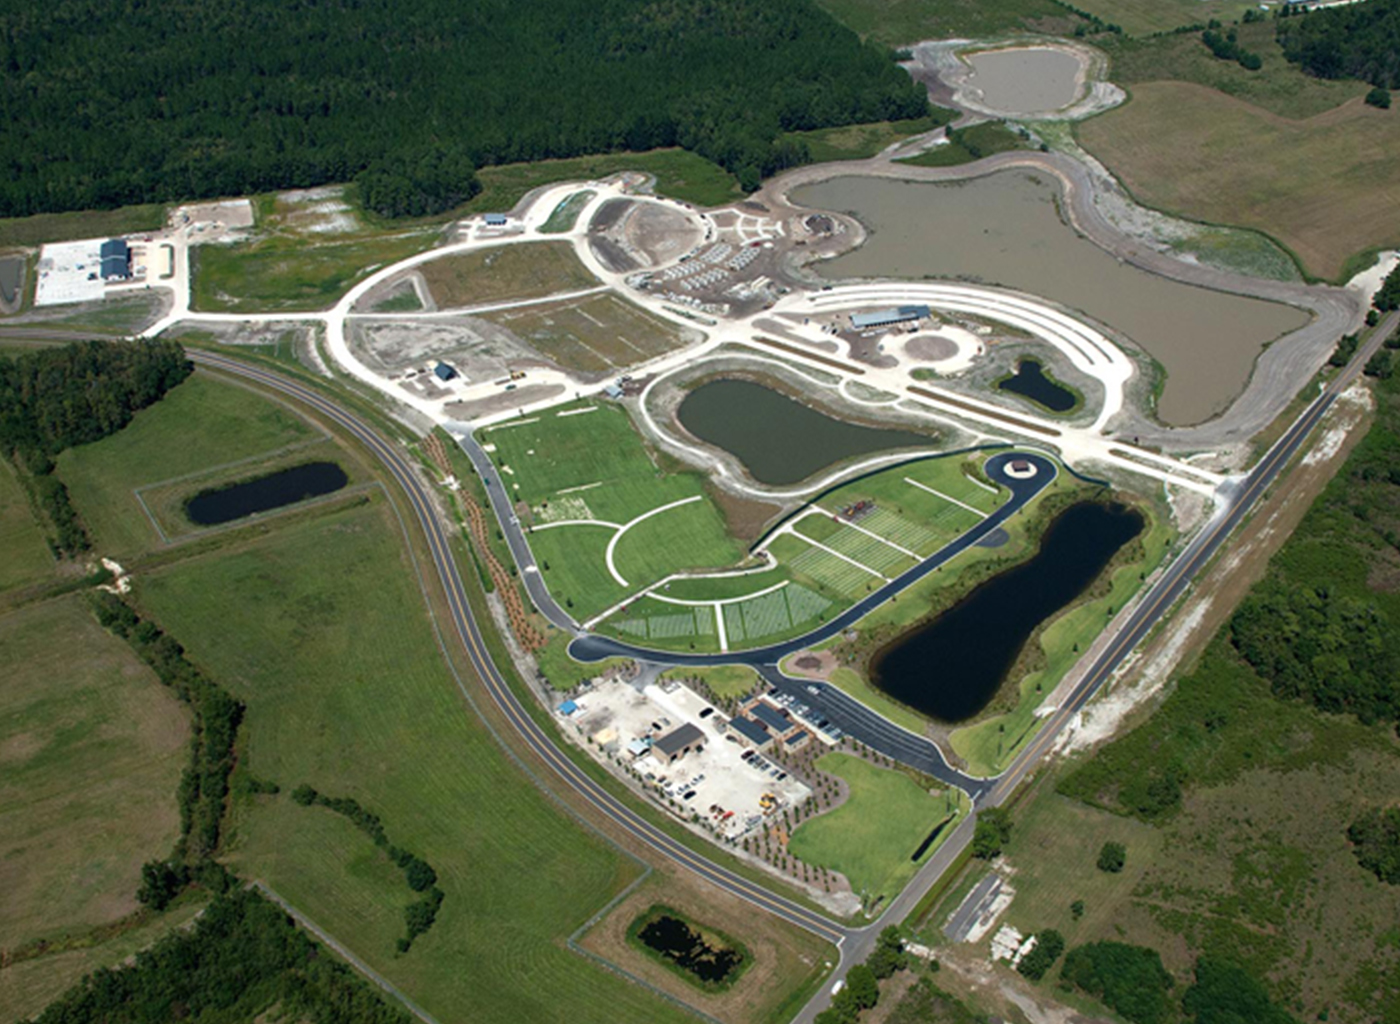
[
  {"x": 992, "y": 833},
  {"x": 1049, "y": 944},
  {"x": 105, "y": 104},
  {"x": 1227, "y": 46},
  {"x": 1387, "y": 297},
  {"x": 205, "y": 782},
  {"x": 1225, "y": 993},
  {"x": 56, "y": 398},
  {"x": 1356, "y": 41},
  {"x": 418, "y": 916},
  {"x": 243, "y": 957},
  {"x": 1129, "y": 979},
  {"x": 862, "y": 989},
  {"x": 1375, "y": 839}
]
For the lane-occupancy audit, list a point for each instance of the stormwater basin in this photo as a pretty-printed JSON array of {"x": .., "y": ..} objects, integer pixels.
[
  {"x": 1005, "y": 228},
  {"x": 678, "y": 942},
  {"x": 951, "y": 668},
  {"x": 1026, "y": 80},
  {"x": 11, "y": 271},
  {"x": 780, "y": 441},
  {"x": 285, "y": 487},
  {"x": 1030, "y": 381}
]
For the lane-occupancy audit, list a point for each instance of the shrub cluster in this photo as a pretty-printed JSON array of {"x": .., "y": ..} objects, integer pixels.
[
  {"x": 417, "y": 872},
  {"x": 1375, "y": 838},
  {"x": 1049, "y": 944},
  {"x": 1126, "y": 978},
  {"x": 992, "y": 834},
  {"x": 1227, "y": 47}
]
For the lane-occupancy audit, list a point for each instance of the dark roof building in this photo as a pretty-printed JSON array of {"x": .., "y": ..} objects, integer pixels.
[
  {"x": 444, "y": 372},
  {"x": 749, "y": 730},
  {"x": 677, "y": 743},
  {"x": 771, "y": 717},
  {"x": 881, "y": 317},
  {"x": 116, "y": 260}
]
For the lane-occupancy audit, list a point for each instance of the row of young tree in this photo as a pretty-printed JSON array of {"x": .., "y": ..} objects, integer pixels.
[
  {"x": 53, "y": 399},
  {"x": 1352, "y": 41},
  {"x": 103, "y": 105}
]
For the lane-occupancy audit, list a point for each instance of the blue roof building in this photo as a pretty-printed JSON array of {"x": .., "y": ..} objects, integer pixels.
[
  {"x": 116, "y": 260},
  {"x": 444, "y": 372},
  {"x": 882, "y": 317}
]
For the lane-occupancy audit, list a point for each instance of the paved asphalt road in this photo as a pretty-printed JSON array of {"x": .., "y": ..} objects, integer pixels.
[{"x": 855, "y": 943}]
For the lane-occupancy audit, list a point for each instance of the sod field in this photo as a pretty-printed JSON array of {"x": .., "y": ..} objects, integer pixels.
[
  {"x": 593, "y": 334},
  {"x": 1327, "y": 187},
  {"x": 200, "y": 425},
  {"x": 318, "y": 628},
  {"x": 27, "y": 558},
  {"x": 505, "y": 272},
  {"x": 91, "y": 751},
  {"x": 873, "y": 836}
]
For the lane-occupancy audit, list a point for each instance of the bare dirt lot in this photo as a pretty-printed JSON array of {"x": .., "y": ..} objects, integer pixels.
[
  {"x": 594, "y": 334},
  {"x": 507, "y": 272}
]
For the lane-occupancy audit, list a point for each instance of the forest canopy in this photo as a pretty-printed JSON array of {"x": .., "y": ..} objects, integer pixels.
[
  {"x": 1354, "y": 41},
  {"x": 108, "y": 104}
]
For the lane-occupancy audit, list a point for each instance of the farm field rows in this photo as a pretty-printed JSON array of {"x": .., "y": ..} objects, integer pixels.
[
  {"x": 505, "y": 272},
  {"x": 592, "y": 334}
]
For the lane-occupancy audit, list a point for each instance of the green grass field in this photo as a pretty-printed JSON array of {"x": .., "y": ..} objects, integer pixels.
[
  {"x": 27, "y": 558},
  {"x": 1326, "y": 187},
  {"x": 969, "y": 144},
  {"x": 200, "y": 425},
  {"x": 896, "y": 22},
  {"x": 63, "y": 227},
  {"x": 1143, "y": 17},
  {"x": 91, "y": 751},
  {"x": 859, "y": 141},
  {"x": 679, "y": 174},
  {"x": 505, "y": 272},
  {"x": 562, "y": 218},
  {"x": 123, "y": 316},
  {"x": 871, "y": 838},
  {"x": 319, "y": 628},
  {"x": 290, "y": 272},
  {"x": 593, "y": 465},
  {"x": 724, "y": 680}
]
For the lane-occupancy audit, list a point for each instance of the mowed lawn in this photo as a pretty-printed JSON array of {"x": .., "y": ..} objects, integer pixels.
[
  {"x": 26, "y": 557},
  {"x": 872, "y": 837},
  {"x": 1327, "y": 187},
  {"x": 199, "y": 425},
  {"x": 320, "y": 628},
  {"x": 586, "y": 462},
  {"x": 91, "y": 751},
  {"x": 523, "y": 271}
]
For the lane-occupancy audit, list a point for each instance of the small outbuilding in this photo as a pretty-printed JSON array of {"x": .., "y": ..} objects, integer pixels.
[
  {"x": 677, "y": 743},
  {"x": 885, "y": 317},
  {"x": 495, "y": 220},
  {"x": 444, "y": 372}
]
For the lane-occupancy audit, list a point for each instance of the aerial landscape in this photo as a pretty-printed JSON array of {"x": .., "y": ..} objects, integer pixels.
[{"x": 816, "y": 511}]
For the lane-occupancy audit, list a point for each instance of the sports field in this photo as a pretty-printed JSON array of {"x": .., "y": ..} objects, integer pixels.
[
  {"x": 318, "y": 627},
  {"x": 91, "y": 751},
  {"x": 587, "y": 485},
  {"x": 594, "y": 334},
  {"x": 505, "y": 272},
  {"x": 872, "y": 837},
  {"x": 200, "y": 425},
  {"x": 1327, "y": 187},
  {"x": 26, "y": 555}
]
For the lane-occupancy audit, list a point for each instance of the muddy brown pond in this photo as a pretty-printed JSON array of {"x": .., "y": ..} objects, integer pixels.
[
  {"x": 1005, "y": 228},
  {"x": 1026, "y": 80}
]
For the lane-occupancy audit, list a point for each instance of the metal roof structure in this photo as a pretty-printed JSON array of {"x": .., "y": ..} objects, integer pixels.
[
  {"x": 880, "y": 317},
  {"x": 752, "y": 731},
  {"x": 677, "y": 740}
]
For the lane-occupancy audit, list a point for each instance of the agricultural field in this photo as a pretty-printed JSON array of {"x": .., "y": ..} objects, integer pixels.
[
  {"x": 593, "y": 334},
  {"x": 873, "y": 836},
  {"x": 287, "y": 273},
  {"x": 502, "y": 273},
  {"x": 92, "y": 747},
  {"x": 899, "y": 22},
  {"x": 27, "y": 558},
  {"x": 1327, "y": 187},
  {"x": 318, "y": 627},
  {"x": 587, "y": 479},
  {"x": 199, "y": 426}
]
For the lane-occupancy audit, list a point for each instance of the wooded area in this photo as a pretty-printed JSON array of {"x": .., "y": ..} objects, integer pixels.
[
  {"x": 103, "y": 105},
  {"x": 1355, "y": 41}
]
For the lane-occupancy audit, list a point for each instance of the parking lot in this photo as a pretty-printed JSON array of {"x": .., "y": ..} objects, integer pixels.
[{"x": 731, "y": 793}]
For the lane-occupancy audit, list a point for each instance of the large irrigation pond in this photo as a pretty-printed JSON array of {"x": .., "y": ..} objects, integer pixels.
[
  {"x": 1005, "y": 228},
  {"x": 1026, "y": 80},
  {"x": 780, "y": 441},
  {"x": 952, "y": 667},
  {"x": 285, "y": 487}
]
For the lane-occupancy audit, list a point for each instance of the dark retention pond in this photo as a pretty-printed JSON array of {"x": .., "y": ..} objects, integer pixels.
[
  {"x": 309, "y": 480},
  {"x": 679, "y": 943},
  {"x": 779, "y": 441},
  {"x": 1030, "y": 381},
  {"x": 952, "y": 667},
  {"x": 11, "y": 270}
]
